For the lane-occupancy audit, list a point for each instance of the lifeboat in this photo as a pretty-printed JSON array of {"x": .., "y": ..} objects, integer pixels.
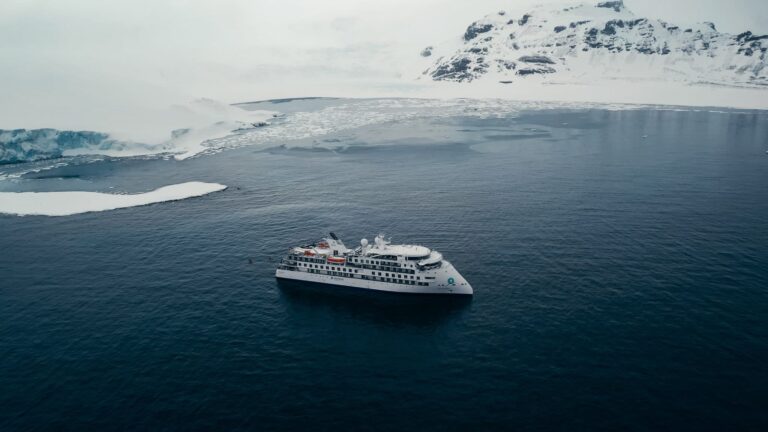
[
  {"x": 309, "y": 252},
  {"x": 336, "y": 260},
  {"x": 323, "y": 245}
]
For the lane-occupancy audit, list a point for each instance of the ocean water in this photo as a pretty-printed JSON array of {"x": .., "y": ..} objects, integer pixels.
[{"x": 619, "y": 260}]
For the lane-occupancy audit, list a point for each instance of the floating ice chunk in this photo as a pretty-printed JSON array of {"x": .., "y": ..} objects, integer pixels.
[{"x": 70, "y": 203}]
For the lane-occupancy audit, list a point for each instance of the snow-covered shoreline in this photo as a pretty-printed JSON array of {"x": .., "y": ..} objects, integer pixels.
[
  {"x": 611, "y": 93},
  {"x": 71, "y": 203},
  {"x": 435, "y": 99}
]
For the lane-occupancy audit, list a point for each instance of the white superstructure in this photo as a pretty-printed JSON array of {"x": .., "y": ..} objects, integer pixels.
[{"x": 379, "y": 266}]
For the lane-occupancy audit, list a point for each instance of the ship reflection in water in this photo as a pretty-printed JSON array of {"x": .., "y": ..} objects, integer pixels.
[{"x": 376, "y": 306}]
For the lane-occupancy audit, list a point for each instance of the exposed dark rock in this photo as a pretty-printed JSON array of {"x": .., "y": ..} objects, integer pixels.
[
  {"x": 524, "y": 19},
  {"x": 577, "y": 23},
  {"x": 535, "y": 70},
  {"x": 747, "y": 36},
  {"x": 615, "y": 5},
  {"x": 610, "y": 27},
  {"x": 506, "y": 82},
  {"x": 558, "y": 29},
  {"x": 426, "y": 52},
  {"x": 710, "y": 25},
  {"x": 460, "y": 69},
  {"x": 537, "y": 59},
  {"x": 591, "y": 38},
  {"x": 506, "y": 64},
  {"x": 751, "y": 44},
  {"x": 502, "y": 13},
  {"x": 475, "y": 29},
  {"x": 456, "y": 70},
  {"x": 479, "y": 50},
  {"x": 742, "y": 37}
]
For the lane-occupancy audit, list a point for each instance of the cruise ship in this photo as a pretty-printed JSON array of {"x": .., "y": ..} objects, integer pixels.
[{"x": 381, "y": 266}]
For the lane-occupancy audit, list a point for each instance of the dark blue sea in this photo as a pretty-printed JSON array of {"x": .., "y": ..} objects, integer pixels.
[{"x": 619, "y": 260}]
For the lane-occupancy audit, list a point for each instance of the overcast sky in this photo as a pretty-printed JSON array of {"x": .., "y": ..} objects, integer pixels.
[{"x": 64, "y": 62}]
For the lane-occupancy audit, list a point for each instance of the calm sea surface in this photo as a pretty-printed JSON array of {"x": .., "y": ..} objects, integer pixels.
[{"x": 619, "y": 261}]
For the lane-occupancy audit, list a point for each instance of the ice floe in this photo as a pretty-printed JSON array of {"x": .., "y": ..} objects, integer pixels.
[{"x": 75, "y": 202}]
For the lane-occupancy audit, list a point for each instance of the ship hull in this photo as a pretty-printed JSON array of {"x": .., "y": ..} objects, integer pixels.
[{"x": 348, "y": 282}]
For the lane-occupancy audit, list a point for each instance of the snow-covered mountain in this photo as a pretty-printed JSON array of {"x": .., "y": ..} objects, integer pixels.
[{"x": 593, "y": 42}]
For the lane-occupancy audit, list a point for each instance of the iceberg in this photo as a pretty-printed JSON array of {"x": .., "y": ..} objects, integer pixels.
[{"x": 75, "y": 202}]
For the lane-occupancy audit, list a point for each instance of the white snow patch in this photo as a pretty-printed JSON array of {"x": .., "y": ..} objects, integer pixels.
[{"x": 70, "y": 203}]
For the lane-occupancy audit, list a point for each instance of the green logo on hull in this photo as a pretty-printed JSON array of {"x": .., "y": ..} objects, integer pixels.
[{"x": 451, "y": 281}]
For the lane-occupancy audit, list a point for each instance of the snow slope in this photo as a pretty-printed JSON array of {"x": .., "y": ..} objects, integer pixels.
[
  {"x": 70, "y": 203},
  {"x": 588, "y": 43}
]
